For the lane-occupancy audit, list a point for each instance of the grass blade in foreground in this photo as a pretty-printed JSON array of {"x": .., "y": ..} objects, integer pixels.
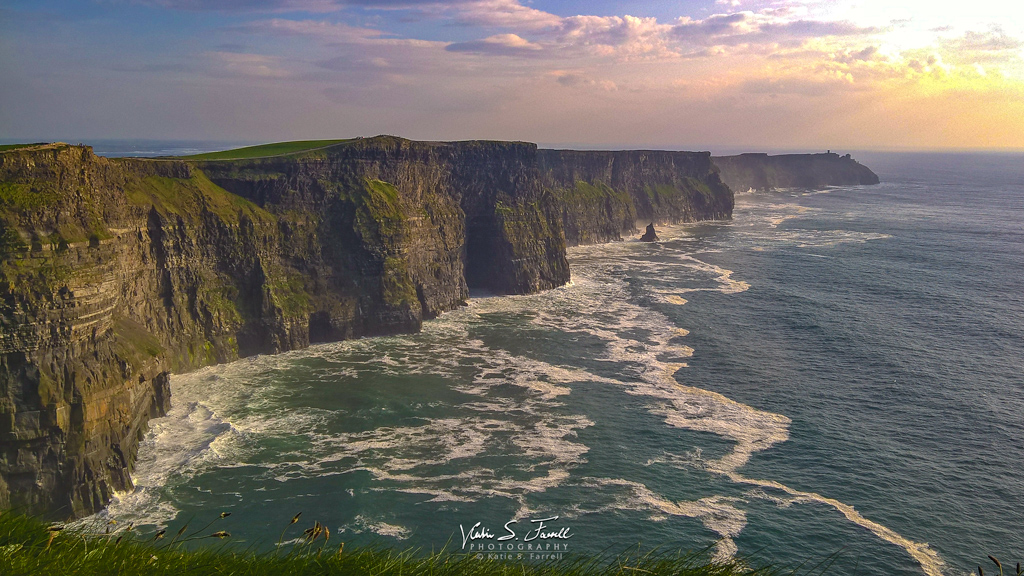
[{"x": 29, "y": 546}]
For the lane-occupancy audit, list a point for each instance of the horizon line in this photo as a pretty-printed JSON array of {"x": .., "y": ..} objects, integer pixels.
[{"x": 731, "y": 148}]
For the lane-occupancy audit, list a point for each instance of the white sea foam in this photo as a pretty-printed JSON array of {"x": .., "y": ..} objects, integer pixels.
[
  {"x": 929, "y": 559},
  {"x": 759, "y": 222},
  {"x": 717, "y": 513},
  {"x": 363, "y": 524},
  {"x": 190, "y": 438},
  {"x": 512, "y": 405},
  {"x": 753, "y": 430}
]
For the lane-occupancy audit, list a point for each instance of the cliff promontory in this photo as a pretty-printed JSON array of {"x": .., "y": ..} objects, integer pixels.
[
  {"x": 115, "y": 273},
  {"x": 763, "y": 172}
]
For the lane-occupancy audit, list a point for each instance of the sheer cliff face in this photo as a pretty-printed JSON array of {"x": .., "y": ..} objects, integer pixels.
[
  {"x": 514, "y": 238},
  {"x": 115, "y": 273},
  {"x": 764, "y": 172},
  {"x": 602, "y": 195},
  {"x": 78, "y": 378},
  {"x": 468, "y": 209}
]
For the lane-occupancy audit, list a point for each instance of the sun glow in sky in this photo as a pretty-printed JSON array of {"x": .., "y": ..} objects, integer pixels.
[{"x": 708, "y": 74}]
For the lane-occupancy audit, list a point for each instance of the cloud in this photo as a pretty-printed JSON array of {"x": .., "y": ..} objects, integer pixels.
[
  {"x": 993, "y": 40},
  {"x": 499, "y": 45},
  {"x": 574, "y": 78},
  {"x": 624, "y": 37},
  {"x": 155, "y": 67},
  {"x": 788, "y": 56},
  {"x": 248, "y": 5},
  {"x": 930, "y": 64},
  {"x": 714, "y": 26},
  {"x": 250, "y": 65},
  {"x": 849, "y": 56},
  {"x": 766, "y": 27},
  {"x": 469, "y": 12},
  {"x": 502, "y": 13},
  {"x": 320, "y": 29}
]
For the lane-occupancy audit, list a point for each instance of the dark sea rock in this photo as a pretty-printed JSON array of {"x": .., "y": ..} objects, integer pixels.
[{"x": 649, "y": 234}]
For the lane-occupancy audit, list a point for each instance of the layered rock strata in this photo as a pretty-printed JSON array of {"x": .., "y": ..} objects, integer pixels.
[
  {"x": 116, "y": 273},
  {"x": 603, "y": 194}
]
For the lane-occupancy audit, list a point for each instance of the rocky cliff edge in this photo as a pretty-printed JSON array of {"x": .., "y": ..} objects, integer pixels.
[{"x": 115, "y": 273}]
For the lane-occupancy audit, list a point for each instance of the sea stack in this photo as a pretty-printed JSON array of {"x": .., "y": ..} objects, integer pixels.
[{"x": 649, "y": 234}]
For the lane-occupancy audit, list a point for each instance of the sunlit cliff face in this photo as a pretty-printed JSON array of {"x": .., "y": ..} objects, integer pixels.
[{"x": 781, "y": 73}]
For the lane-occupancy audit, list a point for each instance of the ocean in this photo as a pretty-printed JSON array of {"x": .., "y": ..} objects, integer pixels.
[{"x": 833, "y": 376}]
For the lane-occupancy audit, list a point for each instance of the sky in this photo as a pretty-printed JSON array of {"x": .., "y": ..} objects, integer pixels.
[{"x": 687, "y": 74}]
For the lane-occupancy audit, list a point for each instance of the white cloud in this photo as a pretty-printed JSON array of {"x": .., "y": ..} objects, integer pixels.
[
  {"x": 499, "y": 44},
  {"x": 503, "y": 13},
  {"x": 618, "y": 36}
]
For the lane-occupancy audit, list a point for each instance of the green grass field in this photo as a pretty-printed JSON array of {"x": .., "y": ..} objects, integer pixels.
[
  {"x": 31, "y": 547},
  {"x": 267, "y": 150},
  {"x": 6, "y": 147}
]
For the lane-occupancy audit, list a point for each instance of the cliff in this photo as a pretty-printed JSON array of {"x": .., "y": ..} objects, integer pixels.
[
  {"x": 115, "y": 273},
  {"x": 764, "y": 172},
  {"x": 602, "y": 194}
]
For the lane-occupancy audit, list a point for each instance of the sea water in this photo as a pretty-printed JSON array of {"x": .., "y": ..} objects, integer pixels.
[{"x": 833, "y": 376}]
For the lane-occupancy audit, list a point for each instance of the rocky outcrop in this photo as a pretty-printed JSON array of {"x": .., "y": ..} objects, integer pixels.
[
  {"x": 116, "y": 273},
  {"x": 649, "y": 235},
  {"x": 764, "y": 172},
  {"x": 602, "y": 194}
]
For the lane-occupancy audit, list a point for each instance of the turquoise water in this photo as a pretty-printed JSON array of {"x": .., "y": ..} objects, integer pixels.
[{"x": 832, "y": 372}]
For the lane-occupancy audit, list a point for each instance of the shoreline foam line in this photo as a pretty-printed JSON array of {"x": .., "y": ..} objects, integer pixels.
[
  {"x": 752, "y": 429},
  {"x": 925, "y": 556}
]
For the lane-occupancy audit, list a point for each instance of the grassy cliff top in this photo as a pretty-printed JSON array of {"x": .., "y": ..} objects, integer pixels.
[
  {"x": 307, "y": 149},
  {"x": 269, "y": 150},
  {"x": 34, "y": 145}
]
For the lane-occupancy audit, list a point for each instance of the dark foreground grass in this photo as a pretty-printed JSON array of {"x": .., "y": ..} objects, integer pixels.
[
  {"x": 266, "y": 150},
  {"x": 31, "y": 547}
]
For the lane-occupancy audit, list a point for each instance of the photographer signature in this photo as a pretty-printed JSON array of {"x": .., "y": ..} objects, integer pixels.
[{"x": 541, "y": 531}]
